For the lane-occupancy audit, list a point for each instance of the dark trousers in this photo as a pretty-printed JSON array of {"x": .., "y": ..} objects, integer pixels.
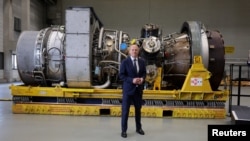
[{"x": 127, "y": 100}]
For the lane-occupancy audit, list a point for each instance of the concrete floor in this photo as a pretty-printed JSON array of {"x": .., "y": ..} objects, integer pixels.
[{"x": 23, "y": 127}]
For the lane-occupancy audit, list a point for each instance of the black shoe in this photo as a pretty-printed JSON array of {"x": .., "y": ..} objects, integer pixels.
[
  {"x": 124, "y": 134},
  {"x": 140, "y": 131}
]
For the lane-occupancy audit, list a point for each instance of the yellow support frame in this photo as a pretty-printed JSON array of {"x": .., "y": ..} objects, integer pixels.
[
  {"x": 116, "y": 93},
  {"x": 115, "y": 111}
]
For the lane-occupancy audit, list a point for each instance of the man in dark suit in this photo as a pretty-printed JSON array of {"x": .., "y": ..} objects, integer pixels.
[{"x": 133, "y": 74}]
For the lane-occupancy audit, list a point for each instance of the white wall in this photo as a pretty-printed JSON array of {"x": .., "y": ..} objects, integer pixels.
[{"x": 37, "y": 15}]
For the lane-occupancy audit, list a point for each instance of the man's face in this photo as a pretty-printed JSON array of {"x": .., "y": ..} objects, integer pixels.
[{"x": 134, "y": 50}]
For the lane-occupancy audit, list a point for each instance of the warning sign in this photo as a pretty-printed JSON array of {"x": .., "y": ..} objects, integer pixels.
[
  {"x": 229, "y": 49},
  {"x": 196, "y": 81}
]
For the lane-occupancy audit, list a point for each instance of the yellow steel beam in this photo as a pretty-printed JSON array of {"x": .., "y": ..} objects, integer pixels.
[
  {"x": 111, "y": 110},
  {"x": 116, "y": 93}
]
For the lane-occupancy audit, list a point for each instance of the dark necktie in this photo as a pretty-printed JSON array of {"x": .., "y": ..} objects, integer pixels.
[{"x": 135, "y": 65}]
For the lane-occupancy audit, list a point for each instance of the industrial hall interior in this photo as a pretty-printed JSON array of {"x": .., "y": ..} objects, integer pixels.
[{"x": 60, "y": 75}]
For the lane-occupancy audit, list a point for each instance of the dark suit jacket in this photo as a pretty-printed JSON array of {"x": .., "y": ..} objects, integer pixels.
[{"x": 128, "y": 72}]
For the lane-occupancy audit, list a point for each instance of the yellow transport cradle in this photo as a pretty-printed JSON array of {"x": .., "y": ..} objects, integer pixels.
[{"x": 194, "y": 100}]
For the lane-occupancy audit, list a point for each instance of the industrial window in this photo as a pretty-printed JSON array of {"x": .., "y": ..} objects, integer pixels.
[
  {"x": 14, "y": 63},
  {"x": 1, "y": 61},
  {"x": 17, "y": 24}
]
